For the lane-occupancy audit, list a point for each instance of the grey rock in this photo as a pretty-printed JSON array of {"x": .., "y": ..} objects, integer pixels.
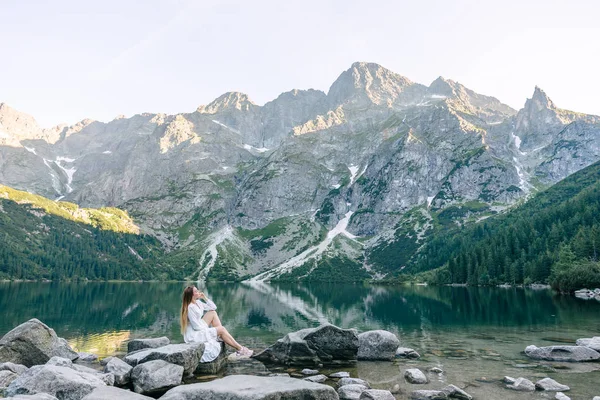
[
  {"x": 60, "y": 362},
  {"x": 376, "y": 394},
  {"x": 428, "y": 395},
  {"x": 561, "y": 396},
  {"x": 247, "y": 387},
  {"x": 377, "y": 345},
  {"x": 108, "y": 378},
  {"x": 150, "y": 343},
  {"x": 596, "y": 398},
  {"x": 280, "y": 374},
  {"x": 562, "y": 353},
  {"x": 415, "y": 375},
  {"x": 341, "y": 374},
  {"x": 156, "y": 376},
  {"x": 120, "y": 369},
  {"x": 455, "y": 392},
  {"x": 509, "y": 380},
  {"x": 106, "y": 360},
  {"x": 307, "y": 371},
  {"x": 186, "y": 355},
  {"x": 395, "y": 389},
  {"x": 37, "y": 396},
  {"x": 405, "y": 352},
  {"x": 550, "y": 384},
  {"x": 352, "y": 381},
  {"x": 316, "y": 378},
  {"x": 113, "y": 393},
  {"x": 6, "y": 377},
  {"x": 33, "y": 343},
  {"x": 351, "y": 392},
  {"x": 593, "y": 343},
  {"x": 56, "y": 381},
  {"x": 87, "y": 357},
  {"x": 215, "y": 366},
  {"x": 326, "y": 344},
  {"x": 436, "y": 370},
  {"x": 16, "y": 368},
  {"x": 522, "y": 385}
]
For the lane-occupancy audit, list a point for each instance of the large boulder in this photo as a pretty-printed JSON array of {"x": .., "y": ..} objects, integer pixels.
[
  {"x": 62, "y": 382},
  {"x": 156, "y": 376},
  {"x": 353, "y": 381},
  {"x": 351, "y": 392},
  {"x": 562, "y": 353},
  {"x": 186, "y": 355},
  {"x": 326, "y": 344},
  {"x": 151, "y": 343},
  {"x": 215, "y": 366},
  {"x": 33, "y": 343},
  {"x": 120, "y": 369},
  {"x": 247, "y": 387},
  {"x": 113, "y": 393},
  {"x": 108, "y": 378},
  {"x": 377, "y": 345},
  {"x": 592, "y": 343}
]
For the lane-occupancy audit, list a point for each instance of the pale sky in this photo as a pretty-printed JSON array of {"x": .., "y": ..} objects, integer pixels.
[{"x": 63, "y": 61}]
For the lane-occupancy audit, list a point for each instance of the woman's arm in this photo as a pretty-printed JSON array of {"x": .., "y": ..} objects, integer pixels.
[
  {"x": 195, "y": 316},
  {"x": 210, "y": 305}
]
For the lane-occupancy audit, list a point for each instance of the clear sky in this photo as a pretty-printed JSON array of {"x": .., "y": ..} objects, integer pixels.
[{"x": 63, "y": 61}]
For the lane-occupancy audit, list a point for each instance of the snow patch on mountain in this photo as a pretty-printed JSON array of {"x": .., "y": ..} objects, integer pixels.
[
  {"x": 225, "y": 126},
  {"x": 30, "y": 149}
]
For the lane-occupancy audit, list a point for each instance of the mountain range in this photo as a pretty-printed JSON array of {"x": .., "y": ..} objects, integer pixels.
[{"x": 349, "y": 184}]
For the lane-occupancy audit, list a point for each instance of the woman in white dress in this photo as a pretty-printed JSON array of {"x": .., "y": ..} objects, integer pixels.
[{"x": 201, "y": 324}]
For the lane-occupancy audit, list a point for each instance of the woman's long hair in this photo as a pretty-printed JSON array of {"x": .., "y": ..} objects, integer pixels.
[{"x": 188, "y": 294}]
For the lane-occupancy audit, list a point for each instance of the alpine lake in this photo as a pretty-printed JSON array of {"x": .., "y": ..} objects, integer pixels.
[{"x": 475, "y": 335}]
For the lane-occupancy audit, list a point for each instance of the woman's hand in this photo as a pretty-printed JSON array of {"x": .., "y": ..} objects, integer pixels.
[{"x": 202, "y": 296}]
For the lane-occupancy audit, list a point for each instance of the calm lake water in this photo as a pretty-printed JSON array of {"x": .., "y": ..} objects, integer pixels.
[{"x": 476, "y": 335}]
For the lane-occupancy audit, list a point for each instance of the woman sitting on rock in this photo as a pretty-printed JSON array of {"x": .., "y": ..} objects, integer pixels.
[{"x": 201, "y": 324}]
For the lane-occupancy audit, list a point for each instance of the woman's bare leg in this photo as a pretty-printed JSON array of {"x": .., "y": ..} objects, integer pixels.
[
  {"x": 212, "y": 317},
  {"x": 227, "y": 338}
]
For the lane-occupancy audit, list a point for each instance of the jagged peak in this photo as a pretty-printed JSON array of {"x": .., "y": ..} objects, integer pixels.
[
  {"x": 370, "y": 81},
  {"x": 228, "y": 101},
  {"x": 540, "y": 99}
]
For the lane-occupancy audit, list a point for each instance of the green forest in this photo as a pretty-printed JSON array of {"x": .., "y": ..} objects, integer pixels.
[{"x": 552, "y": 238}]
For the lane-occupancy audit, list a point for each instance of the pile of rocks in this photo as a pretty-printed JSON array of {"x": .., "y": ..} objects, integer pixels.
[{"x": 588, "y": 294}]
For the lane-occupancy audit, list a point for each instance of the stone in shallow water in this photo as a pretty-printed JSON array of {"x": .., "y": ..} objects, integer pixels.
[
  {"x": 326, "y": 344},
  {"x": 341, "y": 374},
  {"x": 405, "y": 352},
  {"x": 151, "y": 343},
  {"x": 522, "y": 385},
  {"x": 455, "y": 392},
  {"x": 550, "y": 384},
  {"x": 155, "y": 376},
  {"x": 113, "y": 393},
  {"x": 415, "y": 375},
  {"x": 55, "y": 380},
  {"x": 561, "y": 396},
  {"x": 377, "y": 345},
  {"x": 280, "y": 374},
  {"x": 593, "y": 343},
  {"x": 428, "y": 395},
  {"x": 376, "y": 394},
  {"x": 351, "y": 392},
  {"x": 33, "y": 343},
  {"x": 316, "y": 378},
  {"x": 562, "y": 353},
  {"x": 353, "y": 381},
  {"x": 307, "y": 371},
  {"x": 509, "y": 379},
  {"x": 436, "y": 370},
  {"x": 248, "y": 387}
]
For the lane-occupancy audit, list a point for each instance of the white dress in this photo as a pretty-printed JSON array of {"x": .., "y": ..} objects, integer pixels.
[{"x": 198, "y": 330}]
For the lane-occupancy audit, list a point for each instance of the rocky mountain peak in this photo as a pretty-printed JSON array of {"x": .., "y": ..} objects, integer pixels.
[
  {"x": 17, "y": 124},
  {"x": 228, "y": 101},
  {"x": 539, "y": 100},
  {"x": 367, "y": 83}
]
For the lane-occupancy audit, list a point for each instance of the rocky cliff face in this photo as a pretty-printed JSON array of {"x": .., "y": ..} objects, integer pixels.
[{"x": 310, "y": 182}]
